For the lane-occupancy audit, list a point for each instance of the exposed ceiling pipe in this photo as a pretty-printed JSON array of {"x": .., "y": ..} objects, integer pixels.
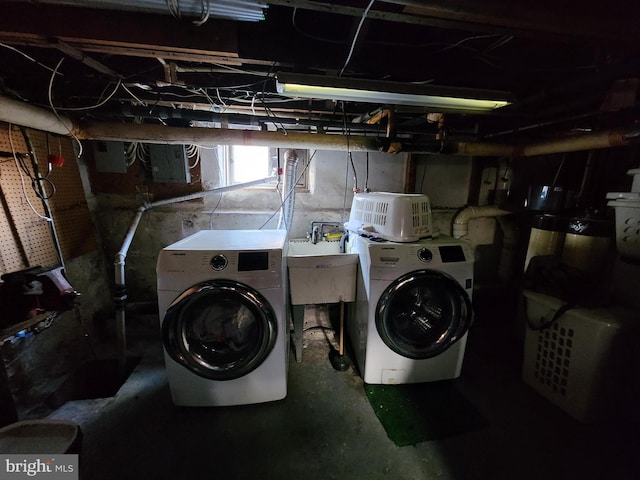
[
  {"x": 20, "y": 113},
  {"x": 166, "y": 113},
  {"x": 25, "y": 115},
  {"x": 221, "y": 136},
  {"x": 391, "y": 120},
  {"x": 218, "y": 136}
]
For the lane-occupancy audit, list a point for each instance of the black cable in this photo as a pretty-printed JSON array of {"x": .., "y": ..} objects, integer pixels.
[
  {"x": 349, "y": 156},
  {"x": 353, "y": 167},
  {"x": 366, "y": 178},
  {"x": 36, "y": 178},
  {"x": 40, "y": 190},
  {"x": 554, "y": 319}
]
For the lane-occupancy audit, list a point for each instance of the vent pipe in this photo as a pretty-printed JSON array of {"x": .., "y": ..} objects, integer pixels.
[{"x": 288, "y": 189}]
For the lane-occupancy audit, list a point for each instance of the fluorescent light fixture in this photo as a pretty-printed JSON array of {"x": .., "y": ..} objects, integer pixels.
[{"x": 442, "y": 99}]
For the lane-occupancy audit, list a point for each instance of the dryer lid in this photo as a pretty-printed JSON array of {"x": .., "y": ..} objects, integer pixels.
[{"x": 422, "y": 313}]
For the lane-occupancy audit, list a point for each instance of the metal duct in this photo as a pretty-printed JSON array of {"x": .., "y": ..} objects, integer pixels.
[
  {"x": 241, "y": 10},
  {"x": 288, "y": 189}
]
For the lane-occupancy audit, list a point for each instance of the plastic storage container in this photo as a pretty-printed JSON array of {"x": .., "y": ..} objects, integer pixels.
[
  {"x": 398, "y": 217},
  {"x": 627, "y": 212},
  {"x": 546, "y": 237},
  {"x": 40, "y": 437},
  {"x": 579, "y": 361},
  {"x": 587, "y": 243}
]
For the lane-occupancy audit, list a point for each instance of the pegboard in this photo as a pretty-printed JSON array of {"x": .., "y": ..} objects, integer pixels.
[
  {"x": 76, "y": 232},
  {"x": 26, "y": 239}
]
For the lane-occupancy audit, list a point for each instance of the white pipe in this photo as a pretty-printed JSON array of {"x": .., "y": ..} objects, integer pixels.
[
  {"x": 461, "y": 220},
  {"x": 25, "y": 115}
]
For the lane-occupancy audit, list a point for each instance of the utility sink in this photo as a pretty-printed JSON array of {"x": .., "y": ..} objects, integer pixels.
[{"x": 319, "y": 273}]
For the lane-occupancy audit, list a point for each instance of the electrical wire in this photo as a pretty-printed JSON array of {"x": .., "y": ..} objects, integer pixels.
[
  {"x": 214, "y": 211},
  {"x": 126, "y": 89},
  {"x": 91, "y": 107},
  {"x": 355, "y": 37},
  {"x": 193, "y": 151},
  {"x": 29, "y": 58},
  {"x": 174, "y": 8},
  {"x": 349, "y": 154},
  {"x": 366, "y": 178},
  {"x": 53, "y": 108},
  {"x": 24, "y": 189},
  {"x": 346, "y": 172},
  {"x": 464, "y": 40},
  {"x": 204, "y": 16}
]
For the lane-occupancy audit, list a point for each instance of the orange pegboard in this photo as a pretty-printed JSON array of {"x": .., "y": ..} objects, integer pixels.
[
  {"x": 26, "y": 238},
  {"x": 75, "y": 228}
]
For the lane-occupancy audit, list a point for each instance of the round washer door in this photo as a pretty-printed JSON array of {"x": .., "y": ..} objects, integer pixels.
[
  {"x": 220, "y": 329},
  {"x": 423, "y": 313}
]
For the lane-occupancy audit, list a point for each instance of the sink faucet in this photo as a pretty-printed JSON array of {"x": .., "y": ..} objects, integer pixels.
[
  {"x": 317, "y": 230},
  {"x": 315, "y": 234}
]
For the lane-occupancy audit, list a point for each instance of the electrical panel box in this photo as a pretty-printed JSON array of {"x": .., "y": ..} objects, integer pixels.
[
  {"x": 109, "y": 157},
  {"x": 169, "y": 163}
]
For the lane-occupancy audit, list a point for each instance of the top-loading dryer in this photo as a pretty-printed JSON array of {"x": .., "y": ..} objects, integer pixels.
[
  {"x": 413, "y": 309},
  {"x": 222, "y": 300}
]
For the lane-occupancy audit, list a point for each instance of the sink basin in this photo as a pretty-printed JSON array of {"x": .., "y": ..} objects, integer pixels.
[{"x": 319, "y": 273}]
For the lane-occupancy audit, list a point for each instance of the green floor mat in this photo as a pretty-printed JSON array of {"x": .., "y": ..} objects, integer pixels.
[{"x": 419, "y": 412}]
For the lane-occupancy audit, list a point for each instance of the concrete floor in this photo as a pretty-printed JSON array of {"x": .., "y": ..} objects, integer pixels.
[{"x": 325, "y": 428}]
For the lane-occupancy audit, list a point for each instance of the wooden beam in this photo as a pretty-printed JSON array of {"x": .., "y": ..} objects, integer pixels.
[
  {"x": 552, "y": 21},
  {"x": 556, "y": 20},
  {"x": 118, "y": 32}
]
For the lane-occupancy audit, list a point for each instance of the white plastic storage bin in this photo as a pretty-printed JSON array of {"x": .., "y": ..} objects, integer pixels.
[
  {"x": 627, "y": 210},
  {"x": 579, "y": 362},
  {"x": 398, "y": 217}
]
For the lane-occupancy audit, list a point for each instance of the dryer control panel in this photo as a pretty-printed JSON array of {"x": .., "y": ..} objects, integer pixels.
[
  {"x": 388, "y": 260},
  {"x": 406, "y": 254}
]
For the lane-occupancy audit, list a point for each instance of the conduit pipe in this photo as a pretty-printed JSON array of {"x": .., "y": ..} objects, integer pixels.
[
  {"x": 120, "y": 293},
  {"x": 25, "y": 115},
  {"x": 461, "y": 220}
]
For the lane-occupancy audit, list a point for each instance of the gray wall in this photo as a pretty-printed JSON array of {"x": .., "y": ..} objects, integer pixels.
[{"x": 328, "y": 199}]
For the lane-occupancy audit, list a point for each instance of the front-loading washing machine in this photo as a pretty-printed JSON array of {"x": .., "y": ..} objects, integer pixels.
[
  {"x": 413, "y": 309},
  {"x": 222, "y": 303}
]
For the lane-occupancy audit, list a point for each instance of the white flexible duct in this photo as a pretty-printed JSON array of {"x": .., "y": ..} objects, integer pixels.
[
  {"x": 461, "y": 220},
  {"x": 288, "y": 189}
]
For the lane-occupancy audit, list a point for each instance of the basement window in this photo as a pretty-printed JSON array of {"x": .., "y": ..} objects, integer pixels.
[{"x": 242, "y": 164}]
